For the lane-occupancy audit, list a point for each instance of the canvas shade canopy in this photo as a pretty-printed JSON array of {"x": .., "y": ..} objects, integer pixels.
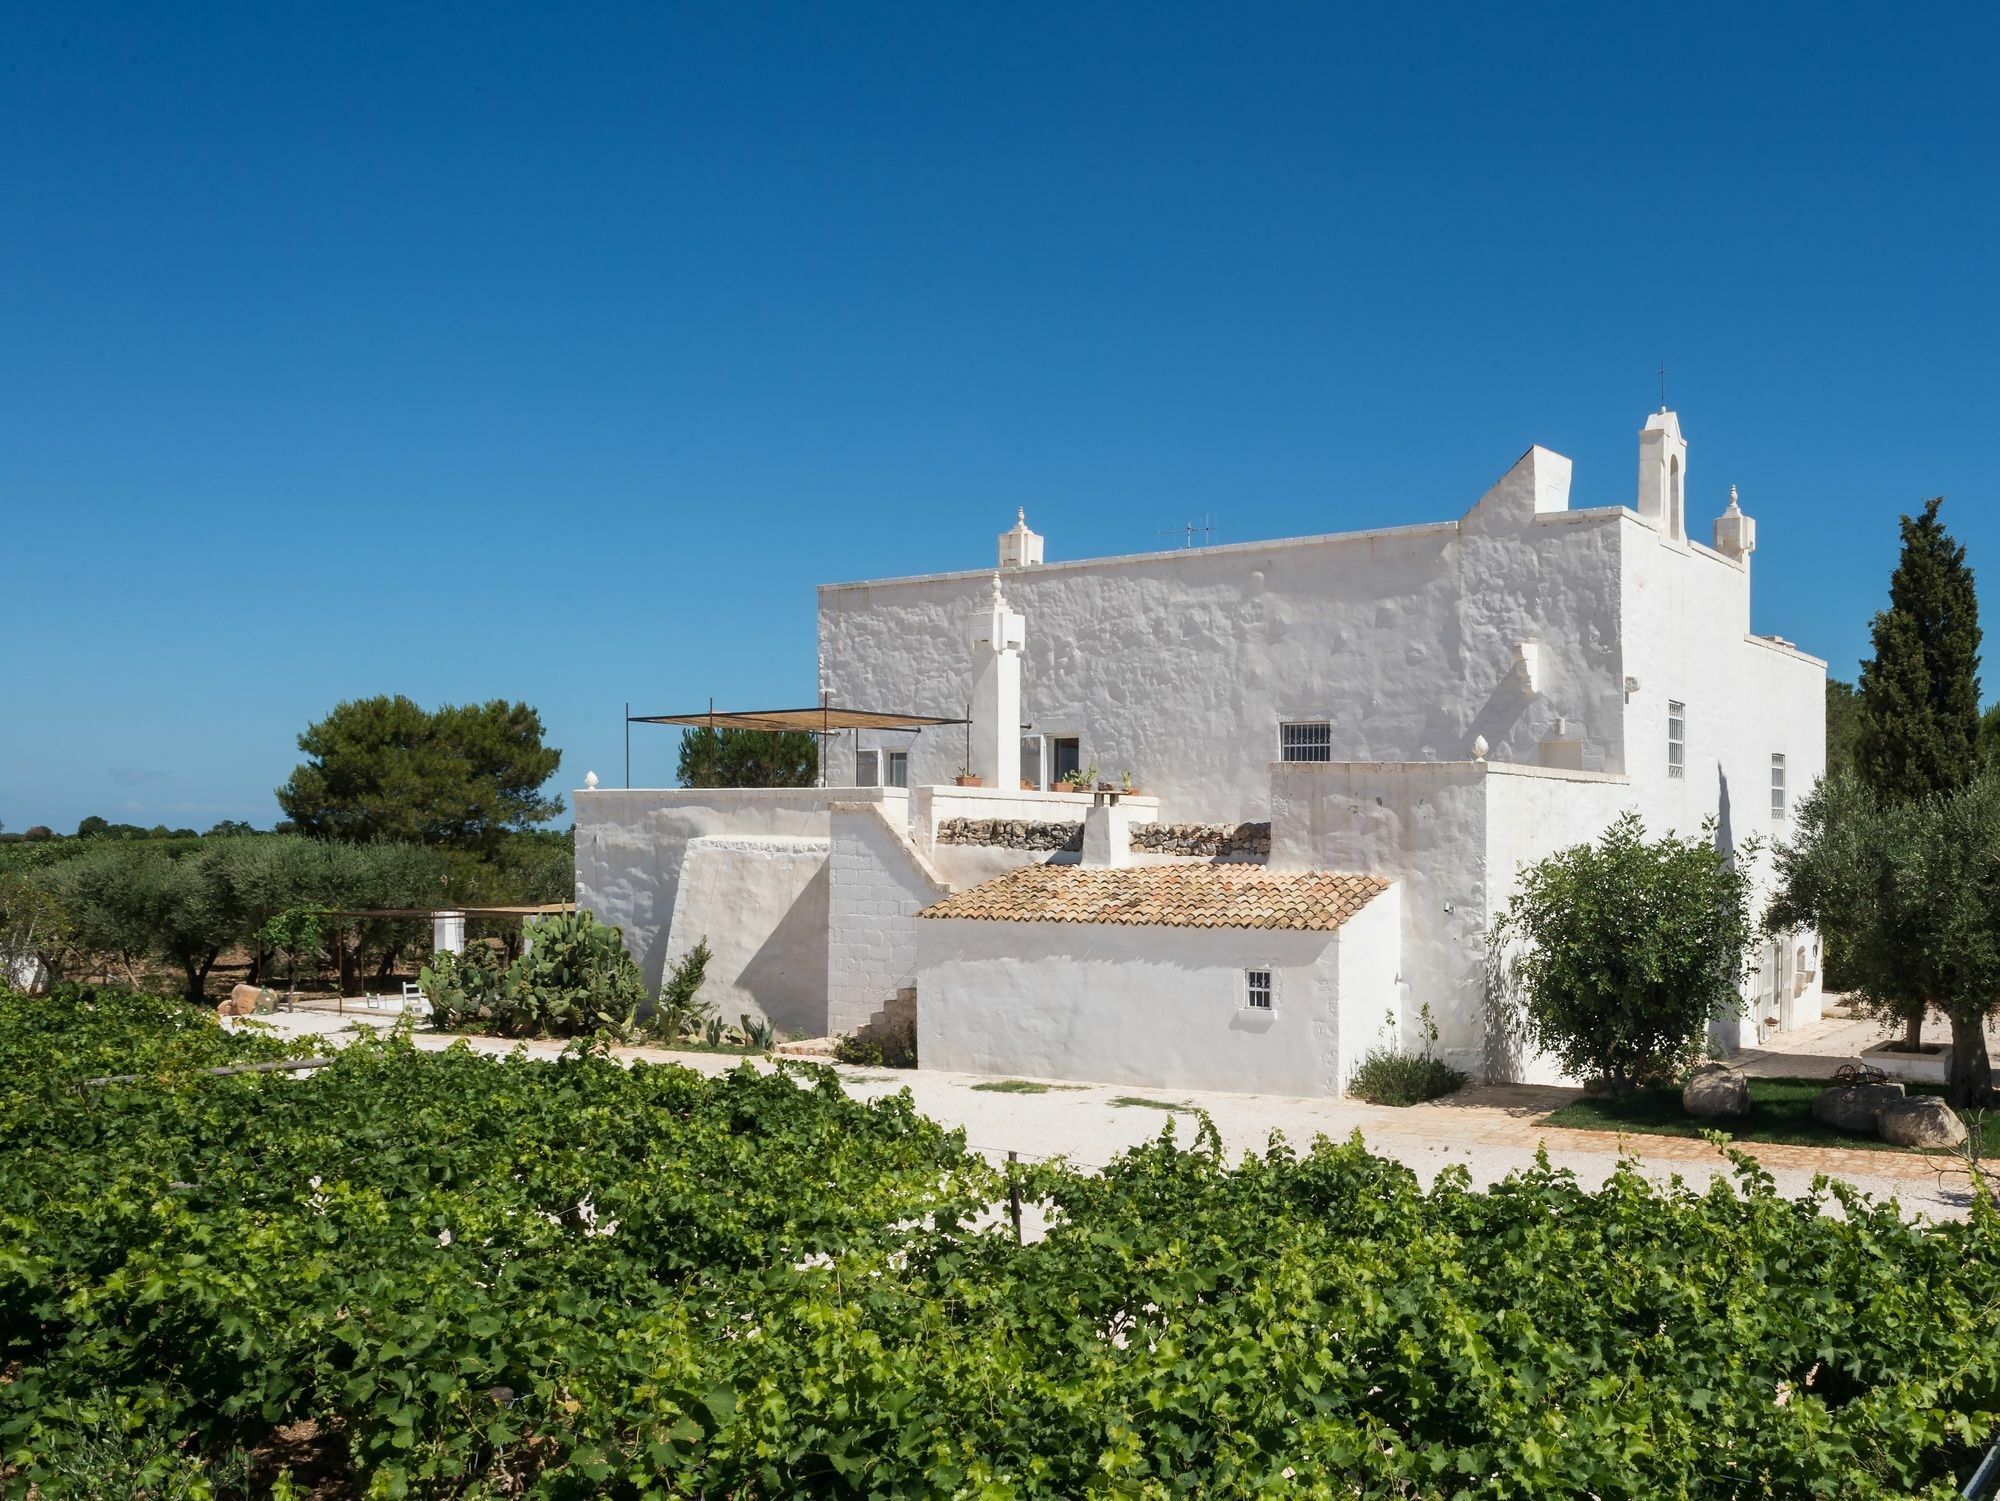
[{"x": 817, "y": 720}]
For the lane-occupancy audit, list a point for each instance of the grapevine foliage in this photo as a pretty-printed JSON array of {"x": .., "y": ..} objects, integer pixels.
[{"x": 488, "y": 1277}]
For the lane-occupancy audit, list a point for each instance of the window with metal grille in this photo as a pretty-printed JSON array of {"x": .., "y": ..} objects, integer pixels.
[
  {"x": 1777, "y": 786},
  {"x": 868, "y": 768},
  {"x": 1257, "y": 988},
  {"x": 1676, "y": 739},
  {"x": 1305, "y": 740}
]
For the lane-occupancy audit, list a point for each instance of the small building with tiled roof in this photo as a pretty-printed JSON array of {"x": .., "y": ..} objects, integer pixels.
[
  {"x": 1191, "y": 976},
  {"x": 1167, "y": 896}
]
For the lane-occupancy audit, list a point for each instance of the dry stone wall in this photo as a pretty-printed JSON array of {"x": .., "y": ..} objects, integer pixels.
[{"x": 1237, "y": 841}]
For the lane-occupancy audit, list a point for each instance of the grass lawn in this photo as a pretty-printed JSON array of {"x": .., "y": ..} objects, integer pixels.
[{"x": 1780, "y": 1111}]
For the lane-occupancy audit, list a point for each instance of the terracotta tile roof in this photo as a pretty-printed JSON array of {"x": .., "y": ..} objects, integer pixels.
[{"x": 1172, "y": 896}]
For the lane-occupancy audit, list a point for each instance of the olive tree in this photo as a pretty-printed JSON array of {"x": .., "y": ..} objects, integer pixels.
[
  {"x": 1624, "y": 950},
  {"x": 1914, "y": 885}
]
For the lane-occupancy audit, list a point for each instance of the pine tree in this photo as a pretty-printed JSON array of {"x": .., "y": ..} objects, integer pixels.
[
  {"x": 747, "y": 758},
  {"x": 1920, "y": 691}
]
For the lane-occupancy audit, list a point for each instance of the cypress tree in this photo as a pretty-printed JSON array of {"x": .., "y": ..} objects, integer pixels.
[{"x": 1920, "y": 691}]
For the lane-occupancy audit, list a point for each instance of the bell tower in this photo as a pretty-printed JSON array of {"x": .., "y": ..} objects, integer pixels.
[{"x": 1663, "y": 475}]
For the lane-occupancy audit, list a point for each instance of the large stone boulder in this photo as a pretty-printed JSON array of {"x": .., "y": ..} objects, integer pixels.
[
  {"x": 1855, "y": 1107},
  {"x": 1715, "y": 1089},
  {"x": 1920, "y": 1121}
]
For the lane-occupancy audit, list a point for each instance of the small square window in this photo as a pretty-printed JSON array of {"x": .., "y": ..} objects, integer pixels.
[
  {"x": 1676, "y": 740},
  {"x": 1777, "y": 787},
  {"x": 1257, "y": 989},
  {"x": 1305, "y": 740}
]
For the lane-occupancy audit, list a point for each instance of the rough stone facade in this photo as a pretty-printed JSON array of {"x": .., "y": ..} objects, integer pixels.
[
  {"x": 1226, "y": 841},
  {"x": 1011, "y": 833}
]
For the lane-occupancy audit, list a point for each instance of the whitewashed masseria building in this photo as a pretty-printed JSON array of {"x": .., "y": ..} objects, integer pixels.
[{"x": 1373, "y": 732}]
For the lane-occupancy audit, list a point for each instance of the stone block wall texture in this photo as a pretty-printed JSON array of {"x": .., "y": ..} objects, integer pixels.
[
  {"x": 1245, "y": 841},
  {"x": 1241, "y": 841},
  {"x": 878, "y": 884}
]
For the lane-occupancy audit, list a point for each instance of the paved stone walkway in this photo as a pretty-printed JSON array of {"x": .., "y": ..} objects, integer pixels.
[{"x": 1490, "y": 1130}]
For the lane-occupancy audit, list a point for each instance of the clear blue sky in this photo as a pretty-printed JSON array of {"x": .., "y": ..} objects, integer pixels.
[{"x": 556, "y": 353}]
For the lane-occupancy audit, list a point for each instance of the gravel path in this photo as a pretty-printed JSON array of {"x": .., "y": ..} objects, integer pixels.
[{"x": 1490, "y": 1130}]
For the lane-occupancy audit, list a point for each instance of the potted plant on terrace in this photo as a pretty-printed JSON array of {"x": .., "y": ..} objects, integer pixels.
[
  {"x": 968, "y": 778},
  {"x": 1083, "y": 779}
]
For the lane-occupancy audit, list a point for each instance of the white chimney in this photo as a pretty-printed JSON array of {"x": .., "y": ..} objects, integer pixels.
[
  {"x": 1107, "y": 833},
  {"x": 1735, "y": 533},
  {"x": 1019, "y": 547},
  {"x": 998, "y": 634}
]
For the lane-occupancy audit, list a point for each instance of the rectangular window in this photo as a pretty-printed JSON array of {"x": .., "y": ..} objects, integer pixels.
[
  {"x": 1065, "y": 756},
  {"x": 1676, "y": 739},
  {"x": 1777, "y": 786},
  {"x": 1257, "y": 989},
  {"x": 896, "y": 771},
  {"x": 1305, "y": 740},
  {"x": 868, "y": 768}
]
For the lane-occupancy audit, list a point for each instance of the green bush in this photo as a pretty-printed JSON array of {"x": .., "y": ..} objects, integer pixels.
[
  {"x": 576, "y": 980},
  {"x": 1393, "y": 1076},
  {"x": 1624, "y": 950},
  {"x": 879, "y": 1045},
  {"x": 679, "y": 1011},
  {"x": 463, "y": 989},
  {"x": 567, "y": 1278}
]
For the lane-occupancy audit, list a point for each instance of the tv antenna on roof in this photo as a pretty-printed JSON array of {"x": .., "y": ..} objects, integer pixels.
[{"x": 1189, "y": 531}]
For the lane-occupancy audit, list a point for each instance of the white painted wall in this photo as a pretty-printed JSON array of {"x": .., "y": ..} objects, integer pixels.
[
  {"x": 1451, "y": 835},
  {"x": 1178, "y": 666},
  {"x": 1153, "y": 1007},
  {"x": 1369, "y": 956},
  {"x": 631, "y": 845},
  {"x": 1687, "y": 610},
  {"x": 878, "y": 885},
  {"x": 761, "y": 903}
]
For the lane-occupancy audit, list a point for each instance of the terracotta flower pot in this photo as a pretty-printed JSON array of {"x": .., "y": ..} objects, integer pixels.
[{"x": 970, "y": 781}]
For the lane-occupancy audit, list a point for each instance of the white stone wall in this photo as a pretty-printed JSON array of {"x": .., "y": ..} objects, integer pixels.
[
  {"x": 1152, "y": 1007},
  {"x": 631, "y": 845},
  {"x": 761, "y": 905},
  {"x": 1688, "y": 614},
  {"x": 1451, "y": 835},
  {"x": 1178, "y": 666},
  {"x": 878, "y": 885},
  {"x": 1370, "y": 989}
]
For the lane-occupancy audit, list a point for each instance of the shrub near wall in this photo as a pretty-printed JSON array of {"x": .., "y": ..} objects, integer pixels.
[{"x": 485, "y": 1277}]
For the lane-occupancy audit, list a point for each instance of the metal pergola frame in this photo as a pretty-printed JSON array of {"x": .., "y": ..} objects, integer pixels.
[{"x": 821, "y": 720}]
